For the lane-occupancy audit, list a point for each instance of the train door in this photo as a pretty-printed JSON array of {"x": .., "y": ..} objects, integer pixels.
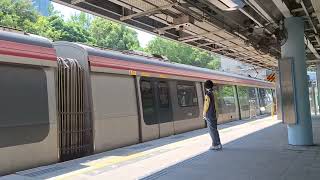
[
  {"x": 156, "y": 104},
  {"x": 164, "y": 109},
  {"x": 150, "y": 128},
  {"x": 253, "y": 103}
]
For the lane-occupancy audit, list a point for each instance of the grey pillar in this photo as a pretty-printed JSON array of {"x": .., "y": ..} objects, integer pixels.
[
  {"x": 318, "y": 86},
  {"x": 278, "y": 97},
  {"x": 301, "y": 132}
]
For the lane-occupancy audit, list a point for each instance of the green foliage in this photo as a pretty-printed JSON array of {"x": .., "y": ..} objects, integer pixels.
[
  {"x": 91, "y": 30},
  {"x": 69, "y": 30},
  {"x": 243, "y": 91},
  {"x": 18, "y": 14},
  {"x": 82, "y": 19},
  {"x": 184, "y": 54},
  {"x": 80, "y": 28},
  {"x": 243, "y": 94},
  {"x": 109, "y": 34},
  {"x": 225, "y": 91}
]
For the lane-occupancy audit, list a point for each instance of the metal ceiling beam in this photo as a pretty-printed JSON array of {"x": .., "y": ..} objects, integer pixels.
[
  {"x": 236, "y": 53},
  {"x": 310, "y": 21},
  {"x": 251, "y": 17},
  {"x": 311, "y": 47},
  {"x": 214, "y": 42},
  {"x": 161, "y": 18},
  {"x": 316, "y": 7},
  {"x": 183, "y": 39},
  {"x": 313, "y": 61},
  {"x": 248, "y": 56},
  {"x": 261, "y": 11},
  {"x": 286, "y": 13},
  {"x": 227, "y": 48},
  {"x": 148, "y": 12},
  {"x": 217, "y": 42},
  {"x": 76, "y": 1},
  {"x": 283, "y": 8},
  {"x": 297, "y": 10},
  {"x": 192, "y": 39},
  {"x": 174, "y": 26}
]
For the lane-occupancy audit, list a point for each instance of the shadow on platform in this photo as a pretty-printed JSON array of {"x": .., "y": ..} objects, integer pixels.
[{"x": 264, "y": 154}]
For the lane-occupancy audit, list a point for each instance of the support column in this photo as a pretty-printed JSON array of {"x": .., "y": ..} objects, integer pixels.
[
  {"x": 318, "y": 86},
  {"x": 278, "y": 98},
  {"x": 314, "y": 99},
  {"x": 301, "y": 132}
]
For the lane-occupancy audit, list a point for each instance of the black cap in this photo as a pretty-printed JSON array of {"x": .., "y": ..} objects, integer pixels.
[{"x": 208, "y": 84}]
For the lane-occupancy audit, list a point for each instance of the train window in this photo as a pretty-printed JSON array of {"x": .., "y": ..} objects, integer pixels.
[
  {"x": 23, "y": 105},
  {"x": 244, "y": 101},
  {"x": 186, "y": 101},
  {"x": 163, "y": 92},
  {"x": 254, "y": 109},
  {"x": 243, "y": 93},
  {"x": 265, "y": 99},
  {"x": 187, "y": 95},
  {"x": 147, "y": 94},
  {"x": 226, "y": 100}
]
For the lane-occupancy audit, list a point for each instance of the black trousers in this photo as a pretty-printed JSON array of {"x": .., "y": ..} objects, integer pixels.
[{"x": 213, "y": 131}]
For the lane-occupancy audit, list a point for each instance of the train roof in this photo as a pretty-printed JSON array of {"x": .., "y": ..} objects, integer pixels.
[
  {"x": 29, "y": 48},
  {"x": 25, "y": 38},
  {"x": 45, "y": 53},
  {"x": 158, "y": 62}
]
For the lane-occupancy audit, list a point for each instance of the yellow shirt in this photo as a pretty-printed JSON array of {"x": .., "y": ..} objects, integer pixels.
[{"x": 206, "y": 105}]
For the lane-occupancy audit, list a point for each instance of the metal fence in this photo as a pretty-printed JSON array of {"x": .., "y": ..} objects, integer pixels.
[{"x": 75, "y": 130}]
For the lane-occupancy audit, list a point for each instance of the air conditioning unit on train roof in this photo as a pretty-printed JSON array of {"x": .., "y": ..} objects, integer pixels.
[
  {"x": 138, "y": 53},
  {"x": 163, "y": 58},
  {"x": 11, "y": 29}
]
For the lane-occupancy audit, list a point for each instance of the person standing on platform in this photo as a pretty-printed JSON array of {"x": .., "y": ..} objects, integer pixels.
[{"x": 209, "y": 114}]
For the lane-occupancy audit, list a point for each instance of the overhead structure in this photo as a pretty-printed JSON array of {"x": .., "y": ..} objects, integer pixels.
[{"x": 250, "y": 31}]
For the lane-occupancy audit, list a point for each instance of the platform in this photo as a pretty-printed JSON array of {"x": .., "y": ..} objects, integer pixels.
[{"x": 255, "y": 149}]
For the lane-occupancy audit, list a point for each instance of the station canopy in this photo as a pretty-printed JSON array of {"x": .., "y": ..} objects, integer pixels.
[{"x": 250, "y": 31}]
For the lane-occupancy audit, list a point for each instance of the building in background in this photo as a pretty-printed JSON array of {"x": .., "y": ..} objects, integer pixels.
[
  {"x": 236, "y": 67},
  {"x": 42, "y": 6}
]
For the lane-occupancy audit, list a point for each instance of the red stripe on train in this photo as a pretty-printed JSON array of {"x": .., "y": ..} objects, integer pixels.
[
  {"x": 125, "y": 65},
  {"x": 27, "y": 50}
]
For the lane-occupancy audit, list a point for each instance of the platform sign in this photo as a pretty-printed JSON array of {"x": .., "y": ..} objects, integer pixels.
[{"x": 288, "y": 97}]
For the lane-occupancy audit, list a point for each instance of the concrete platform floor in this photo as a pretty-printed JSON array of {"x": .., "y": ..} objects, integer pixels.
[{"x": 255, "y": 149}]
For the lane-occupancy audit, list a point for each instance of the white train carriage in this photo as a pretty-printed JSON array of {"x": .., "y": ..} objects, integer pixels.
[{"x": 62, "y": 100}]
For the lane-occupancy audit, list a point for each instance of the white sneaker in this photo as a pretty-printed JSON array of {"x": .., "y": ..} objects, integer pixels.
[{"x": 216, "y": 148}]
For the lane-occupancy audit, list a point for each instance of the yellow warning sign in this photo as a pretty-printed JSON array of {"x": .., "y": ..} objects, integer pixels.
[{"x": 271, "y": 77}]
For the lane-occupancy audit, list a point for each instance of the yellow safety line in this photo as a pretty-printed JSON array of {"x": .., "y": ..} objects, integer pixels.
[
  {"x": 94, "y": 165},
  {"x": 97, "y": 164}
]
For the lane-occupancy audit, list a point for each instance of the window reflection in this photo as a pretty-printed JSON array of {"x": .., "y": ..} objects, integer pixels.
[
  {"x": 187, "y": 95},
  {"x": 163, "y": 94}
]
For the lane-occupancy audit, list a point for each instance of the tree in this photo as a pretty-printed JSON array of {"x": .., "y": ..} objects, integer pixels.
[
  {"x": 180, "y": 53},
  {"x": 69, "y": 30},
  {"x": 112, "y": 35},
  {"x": 18, "y": 14},
  {"x": 82, "y": 19},
  {"x": 43, "y": 28}
]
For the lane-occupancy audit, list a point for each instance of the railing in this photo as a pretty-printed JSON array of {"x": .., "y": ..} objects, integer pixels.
[{"x": 75, "y": 131}]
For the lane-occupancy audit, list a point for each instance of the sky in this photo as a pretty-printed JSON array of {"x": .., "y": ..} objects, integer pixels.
[{"x": 67, "y": 12}]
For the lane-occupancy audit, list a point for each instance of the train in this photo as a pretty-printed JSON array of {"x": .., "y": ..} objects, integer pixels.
[{"x": 64, "y": 100}]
